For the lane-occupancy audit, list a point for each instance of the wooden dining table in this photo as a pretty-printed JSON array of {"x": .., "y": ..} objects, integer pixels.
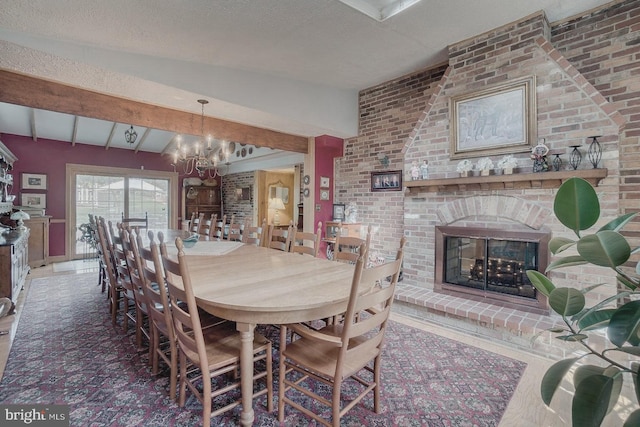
[{"x": 254, "y": 285}]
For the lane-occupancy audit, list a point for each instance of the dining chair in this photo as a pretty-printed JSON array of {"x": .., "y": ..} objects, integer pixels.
[
  {"x": 161, "y": 324},
  {"x": 215, "y": 351},
  {"x": 138, "y": 223},
  {"x": 114, "y": 289},
  {"x": 307, "y": 243},
  {"x": 143, "y": 319},
  {"x": 209, "y": 225},
  {"x": 279, "y": 238},
  {"x": 345, "y": 248},
  {"x": 102, "y": 269},
  {"x": 196, "y": 224},
  {"x": 253, "y": 235},
  {"x": 129, "y": 275},
  {"x": 218, "y": 230},
  {"x": 235, "y": 230},
  {"x": 338, "y": 353}
]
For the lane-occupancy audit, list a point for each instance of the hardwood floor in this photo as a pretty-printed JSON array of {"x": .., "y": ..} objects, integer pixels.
[{"x": 525, "y": 409}]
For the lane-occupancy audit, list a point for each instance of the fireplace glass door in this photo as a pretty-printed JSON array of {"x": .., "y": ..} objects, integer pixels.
[{"x": 492, "y": 265}]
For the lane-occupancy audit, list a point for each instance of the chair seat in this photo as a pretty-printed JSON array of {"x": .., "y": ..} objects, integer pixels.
[
  {"x": 223, "y": 345},
  {"x": 322, "y": 357}
]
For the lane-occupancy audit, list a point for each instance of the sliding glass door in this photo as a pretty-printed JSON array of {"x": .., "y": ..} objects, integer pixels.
[{"x": 113, "y": 193}]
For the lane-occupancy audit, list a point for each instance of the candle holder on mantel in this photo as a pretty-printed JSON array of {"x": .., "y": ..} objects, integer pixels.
[
  {"x": 557, "y": 162},
  {"x": 595, "y": 151},
  {"x": 575, "y": 157}
]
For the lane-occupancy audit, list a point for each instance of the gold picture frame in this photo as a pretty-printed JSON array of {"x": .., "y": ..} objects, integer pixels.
[{"x": 494, "y": 121}]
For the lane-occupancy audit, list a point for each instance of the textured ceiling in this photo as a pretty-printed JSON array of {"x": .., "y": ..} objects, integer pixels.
[{"x": 294, "y": 66}]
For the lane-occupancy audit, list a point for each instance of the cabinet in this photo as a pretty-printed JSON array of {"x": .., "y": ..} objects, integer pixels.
[
  {"x": 202, "y": 199},
  {"x": 14, "y": 262},
  {"x": 6, "y": 179},
  {"x": 38, "y": 240}
]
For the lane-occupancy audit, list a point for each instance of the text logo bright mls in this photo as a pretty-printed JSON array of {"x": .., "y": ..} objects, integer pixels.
[{"x": 34, "y": 415}]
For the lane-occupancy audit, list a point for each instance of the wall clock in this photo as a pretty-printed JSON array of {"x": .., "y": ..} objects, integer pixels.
[
  {"x": 306, "y": 179},
  {"x": 324, "y": 194}
]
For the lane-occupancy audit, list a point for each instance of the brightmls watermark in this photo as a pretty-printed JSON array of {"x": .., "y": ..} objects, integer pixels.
[{"x": 34, "y": 415}]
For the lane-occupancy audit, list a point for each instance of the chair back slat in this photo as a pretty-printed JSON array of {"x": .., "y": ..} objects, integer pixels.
[
  {"x": 279, "y": 238},
  {"x": 307, "y": 243}
]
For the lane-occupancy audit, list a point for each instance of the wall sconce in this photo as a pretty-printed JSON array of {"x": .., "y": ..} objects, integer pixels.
[{"x": 384, "y": 160}]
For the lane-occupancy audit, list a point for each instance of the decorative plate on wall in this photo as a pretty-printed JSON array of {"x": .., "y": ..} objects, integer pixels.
[
  {"x": 244, "y": 152},
  {"x": 306, "y": 179},
  {"x": 305, "y": 193}
]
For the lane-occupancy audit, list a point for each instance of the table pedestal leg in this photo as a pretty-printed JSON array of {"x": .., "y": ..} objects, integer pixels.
[{"x": 246, "y": 372}]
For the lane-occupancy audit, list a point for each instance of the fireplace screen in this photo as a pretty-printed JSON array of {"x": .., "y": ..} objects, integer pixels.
[{"x": 492, "y": 265}]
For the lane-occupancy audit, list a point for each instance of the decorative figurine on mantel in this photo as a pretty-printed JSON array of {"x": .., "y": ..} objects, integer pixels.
[
  {"x": 415, "y": 171},
  {"x": 424, "y": 170},
  {"x": 539, "y": 157}
]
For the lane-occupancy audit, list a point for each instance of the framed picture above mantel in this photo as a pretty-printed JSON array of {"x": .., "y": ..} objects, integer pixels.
[{"x": 493, "y": 121}]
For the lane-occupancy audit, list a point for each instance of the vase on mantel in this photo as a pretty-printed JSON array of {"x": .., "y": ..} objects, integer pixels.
[
  {"x": 464, "y": 174},
  {"x": 485, "y": 172},
  {"x": 508, "y": 171}
]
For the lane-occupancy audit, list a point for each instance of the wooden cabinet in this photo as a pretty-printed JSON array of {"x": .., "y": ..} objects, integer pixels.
[
  {"x": 14, "y": 262},
  {"x": 202, "y": 199},
  {"x": 38, "y": 240}
]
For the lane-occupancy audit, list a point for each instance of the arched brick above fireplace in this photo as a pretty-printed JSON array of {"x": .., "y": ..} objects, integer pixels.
[{"x": 498, "y": 207}]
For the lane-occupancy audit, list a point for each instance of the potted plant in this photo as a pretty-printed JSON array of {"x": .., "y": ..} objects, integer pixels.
[
  {"x": 598, "y": 378},
  {"x": 464, "y": 167},
  {"x": 508, "y": 163},
  {"x": 484, "y": 165}
]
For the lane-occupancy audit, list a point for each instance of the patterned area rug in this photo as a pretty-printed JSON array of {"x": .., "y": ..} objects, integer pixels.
[{"x": 67, "y": 352}]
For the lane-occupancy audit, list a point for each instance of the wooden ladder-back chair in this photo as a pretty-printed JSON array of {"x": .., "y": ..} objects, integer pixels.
[
  {"x": 253, "y": 235},
  {"x": 341, "y": 352},
  {"x": 215, "y": 351},
  {"x": 121, "y": 249},
  {"x": 307, "y": 243},
  {"x": 143, "y": 321},
  {"x": 196, "y": 224},
  {"x": 279, "y": 238},
  {"x": 114, "y": 288},
  {"x": 161, "y": 324},
  {"x": 102, "y": 268},
  {"x": 235, "y": 230},
  {"x": 218, "y": 230},
  {"x": 138, "y": 223},
  {"x": 345, "y": 248},
  {"x": 209, "y": 225}
]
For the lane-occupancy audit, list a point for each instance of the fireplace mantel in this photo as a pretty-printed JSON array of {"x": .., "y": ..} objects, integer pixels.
[{"x": 507, "y": 182}]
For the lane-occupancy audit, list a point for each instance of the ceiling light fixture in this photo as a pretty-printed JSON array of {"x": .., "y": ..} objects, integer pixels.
[
  {"x": 202, "y": 156},
  {"x": 130, "y": 135}
]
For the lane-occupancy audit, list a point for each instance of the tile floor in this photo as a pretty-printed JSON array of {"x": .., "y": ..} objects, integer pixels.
[{"x": 525, "y": 408}]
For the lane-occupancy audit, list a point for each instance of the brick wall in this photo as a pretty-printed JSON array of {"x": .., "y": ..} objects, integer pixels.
[
  {"x": 587, "y": 84},
  {"x": 230, "y": 205}
]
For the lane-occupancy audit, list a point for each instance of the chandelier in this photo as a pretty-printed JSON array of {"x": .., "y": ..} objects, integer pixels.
[{"x": 203, "y": 156}]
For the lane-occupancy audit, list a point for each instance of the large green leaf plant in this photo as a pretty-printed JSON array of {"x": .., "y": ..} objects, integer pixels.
[{"x": 597, "y": 386}]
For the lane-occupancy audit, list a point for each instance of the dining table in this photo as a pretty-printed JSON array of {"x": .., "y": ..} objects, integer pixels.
[{"x": 253, "y": 285}]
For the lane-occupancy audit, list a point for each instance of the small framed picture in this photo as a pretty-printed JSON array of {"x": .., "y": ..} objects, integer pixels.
[
  {"x": 34, "y": 200},
  {"x": 34, "y": 181},
  {"x": 324, "y": 194},
  {"x": 338, "y": 212},
  {"x": 386, "y": 181},
  {"x": 324, "y": 182}
]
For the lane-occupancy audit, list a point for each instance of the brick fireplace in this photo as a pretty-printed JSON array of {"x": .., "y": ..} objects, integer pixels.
[{"x": 568, "y": 111}]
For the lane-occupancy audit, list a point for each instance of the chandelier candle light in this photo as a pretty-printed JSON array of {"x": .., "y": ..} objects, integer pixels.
[{"x": 203, "y": 157}]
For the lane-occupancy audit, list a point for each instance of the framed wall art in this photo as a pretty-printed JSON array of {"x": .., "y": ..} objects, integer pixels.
[
  {"x": 324, "y": 182},
  {"x": 34, "y": 200},
  {"x": 494, "y": 121},
  {"x": 338, "y": 212},
  {"x": 386, "y": 181},
  {"x": 34, "y": 181},
  {"x": 324, "y": 194}
]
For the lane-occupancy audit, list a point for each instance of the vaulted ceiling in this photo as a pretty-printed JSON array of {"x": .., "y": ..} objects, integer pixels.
[{"x": 275, "y": 71}]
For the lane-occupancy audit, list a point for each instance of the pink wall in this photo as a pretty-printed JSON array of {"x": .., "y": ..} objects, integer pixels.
[
  {"x": 327, "y": 149},
  {"x": 51, "y": 157}
]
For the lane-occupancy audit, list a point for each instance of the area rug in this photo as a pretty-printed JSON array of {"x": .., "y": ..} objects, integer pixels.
[{"x": 66, "y": 351}]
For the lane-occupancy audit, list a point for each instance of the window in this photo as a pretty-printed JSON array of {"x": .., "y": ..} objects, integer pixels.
[{"x": 114, "y": 192}]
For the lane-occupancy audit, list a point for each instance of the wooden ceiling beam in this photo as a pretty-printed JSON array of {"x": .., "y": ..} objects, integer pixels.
[{"x": 34, "y": 92}]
